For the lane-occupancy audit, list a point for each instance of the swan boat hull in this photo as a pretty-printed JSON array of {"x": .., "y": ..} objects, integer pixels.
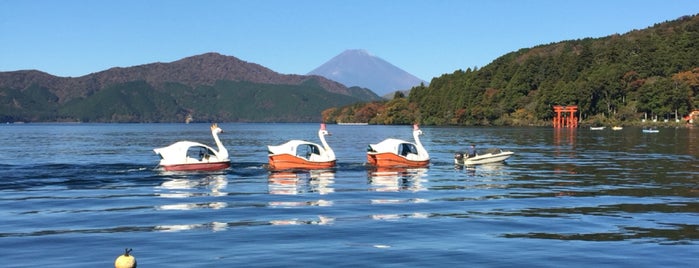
[
  {"x": 211, "y": 166},
  {"x": 287, "y": 162},
  {"x": 388, "y": 159},
  {"x": 486, "y": 158}
]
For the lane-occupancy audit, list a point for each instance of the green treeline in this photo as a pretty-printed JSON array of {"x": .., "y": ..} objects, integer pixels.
[
  {"x": 652, "y": 72},
  {"x": 225, "y": 101},
  {"x": 398, "y": 111},
  {"x": 139, "y": 101}
]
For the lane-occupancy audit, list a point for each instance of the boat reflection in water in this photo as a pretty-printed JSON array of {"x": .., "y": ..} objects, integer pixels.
[
  {"x": 214, "y": 226},
  {"x": 485, "y": 170},
  {"x": 183, "y": 186},
  {"x": 321, "y": 220},
  {"x": 396, "y": 179},
  {"x": 300, "y": 182},
  {"x": 210, "y": 185}
]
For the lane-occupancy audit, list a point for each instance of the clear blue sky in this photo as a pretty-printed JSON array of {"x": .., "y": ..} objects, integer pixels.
[{"x": 426, "y": 38}]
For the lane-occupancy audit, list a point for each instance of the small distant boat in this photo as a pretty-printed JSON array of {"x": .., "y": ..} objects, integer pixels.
[
  {"x": 493, "y": 155},
  {"x": 298, "y": 154},
  {"x": 399, "y": 153},
  {"x": 617, "y": 128},
  {"x": 651, "y": 130},
  {"x": 194, "y": 156},
  {"x": 597, "y": 128}
]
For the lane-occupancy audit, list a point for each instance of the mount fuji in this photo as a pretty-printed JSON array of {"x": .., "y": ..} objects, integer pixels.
[{"x": 357, "y": 67}]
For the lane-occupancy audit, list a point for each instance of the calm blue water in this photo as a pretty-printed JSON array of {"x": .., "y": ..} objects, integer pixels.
[{"x": 76, "y": 195}]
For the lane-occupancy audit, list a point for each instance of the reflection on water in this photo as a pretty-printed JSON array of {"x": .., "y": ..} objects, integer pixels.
[
  {"x": 297, "y": 182},
  {"x": 387, "y": 217},
  {"x": 211, "y": 185},
  {"x": 397, "y": 179},
  {"x": 189, "y": 206},
  {"x": 322, "y": 220},
  {"x": 564, "y": 136},
  {"x": 214, "y": 226},
  {"x": 301, "y": 182},
  {"x": 485, "y": 170},
  {"x": 187, "y": 187}
]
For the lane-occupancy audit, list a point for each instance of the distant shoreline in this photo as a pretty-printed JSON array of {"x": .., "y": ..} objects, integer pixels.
[{"x": 353, "y": 124}]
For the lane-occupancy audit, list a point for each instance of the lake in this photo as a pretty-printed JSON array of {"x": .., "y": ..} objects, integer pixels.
[{"x": 77, "y": 195}]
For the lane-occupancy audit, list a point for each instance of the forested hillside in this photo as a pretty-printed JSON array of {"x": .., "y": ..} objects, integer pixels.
[
  {"x": 207, "y": 87},
  {"x": 619, "y": 78}
]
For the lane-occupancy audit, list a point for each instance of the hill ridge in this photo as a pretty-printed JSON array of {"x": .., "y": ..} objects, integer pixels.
[{"x": 47, "y": 93}]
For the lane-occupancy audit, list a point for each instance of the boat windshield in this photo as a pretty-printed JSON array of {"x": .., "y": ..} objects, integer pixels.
[
  {"x": 305, "y": 150},
  {"x": 199, "y": 152},
  {"x": 492, "y": 151},
  {"x": 407, "y": 148}
]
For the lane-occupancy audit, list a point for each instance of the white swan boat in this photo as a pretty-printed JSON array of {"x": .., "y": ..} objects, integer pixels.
[
  {"x": 399, "y": 153},
  {"x": 493, "y": 155},
  {"x": 299, "y": 154},
  {"x": 194, "y": 156}
]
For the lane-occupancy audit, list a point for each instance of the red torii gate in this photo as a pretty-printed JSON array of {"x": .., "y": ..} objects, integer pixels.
[{"x": 561, "y": 120}]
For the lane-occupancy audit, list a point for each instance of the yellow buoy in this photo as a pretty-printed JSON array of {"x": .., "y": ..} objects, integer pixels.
[{"x": 126, "y": 260}]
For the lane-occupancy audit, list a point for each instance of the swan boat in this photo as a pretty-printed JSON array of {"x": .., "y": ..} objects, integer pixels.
[
  {"x": 298, "y": 154},
  {"x": 194, "y": 156},
  {"x": 399, "y": 153},
  {"x": 493, "y": 155}
]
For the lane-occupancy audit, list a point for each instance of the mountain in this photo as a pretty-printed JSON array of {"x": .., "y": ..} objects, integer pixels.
[
  {"x": 209, "y": 87},
  {"x": 617, "y": 79},
  {"x": 356, "y": 67}
]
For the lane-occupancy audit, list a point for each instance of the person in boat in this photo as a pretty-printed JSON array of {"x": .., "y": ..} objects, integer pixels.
[
  {"x": 472, "y": 151},
  {"x": 406, "y": 149}
]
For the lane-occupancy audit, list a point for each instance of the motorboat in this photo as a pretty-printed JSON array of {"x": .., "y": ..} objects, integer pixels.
[
  {"x": 194, "y": 156},
  {"x": 399, "y": 153},
  {"x": 299, "y": 154},
  {"x": 650, "y": 130},
  {"x": 493, "y": 155}
]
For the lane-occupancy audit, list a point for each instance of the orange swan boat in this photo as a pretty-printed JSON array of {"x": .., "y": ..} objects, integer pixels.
[
  {"x": 299, "y": 154},
  {"x": 399, "y": 153}
]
